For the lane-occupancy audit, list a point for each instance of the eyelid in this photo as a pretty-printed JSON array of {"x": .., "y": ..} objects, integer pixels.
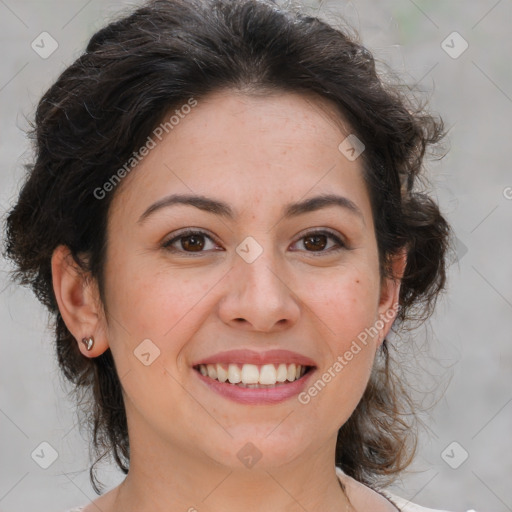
[
  {"x": 322, "y": 231},
  {"x": 189, "y": 232},
  {"x": 338, "y": 238}
]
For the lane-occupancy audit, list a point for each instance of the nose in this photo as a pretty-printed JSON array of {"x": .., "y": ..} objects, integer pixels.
[{"x": 258, "y": 296}]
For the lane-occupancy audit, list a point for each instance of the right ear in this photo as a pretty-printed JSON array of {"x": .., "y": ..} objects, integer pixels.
[{"x": 79, "y": 302}]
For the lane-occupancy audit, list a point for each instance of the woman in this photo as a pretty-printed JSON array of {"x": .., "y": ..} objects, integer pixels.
[{"x": 223, "y": 219}]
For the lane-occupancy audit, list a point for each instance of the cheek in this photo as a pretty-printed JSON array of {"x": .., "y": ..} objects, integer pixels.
[
  {"x": 154, "y": 315},
  {"x": 346, "y": 305},
  {"x": 345, "y": 301},
  {"x": 145, "y": 302},
  {"x": 347, "y": 311}
]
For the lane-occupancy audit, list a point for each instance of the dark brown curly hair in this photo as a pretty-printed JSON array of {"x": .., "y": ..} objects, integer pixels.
[{"x": 150, "y": 61}]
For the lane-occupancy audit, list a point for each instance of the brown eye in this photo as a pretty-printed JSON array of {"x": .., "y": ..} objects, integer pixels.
[
  {"x": 316, "y": 242},
  {"x": 190, "y": 241}
]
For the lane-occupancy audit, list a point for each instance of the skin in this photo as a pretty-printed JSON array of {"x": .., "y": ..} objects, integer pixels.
[{"x": 256, "y": 153}]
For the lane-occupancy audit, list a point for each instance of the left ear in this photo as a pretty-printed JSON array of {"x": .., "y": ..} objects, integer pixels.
[{"x": 390, "y": 293}]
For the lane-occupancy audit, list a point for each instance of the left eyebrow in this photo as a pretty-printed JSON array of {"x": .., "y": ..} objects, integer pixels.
[
  {"x": 322, "y": 201},
  {"x": 222, "y": 209}
]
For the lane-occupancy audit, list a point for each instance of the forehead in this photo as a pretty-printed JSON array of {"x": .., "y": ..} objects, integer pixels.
[{"x": 259, "y": 149}]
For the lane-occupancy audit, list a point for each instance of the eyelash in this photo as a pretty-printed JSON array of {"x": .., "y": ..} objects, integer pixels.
[{"x": 191, "y": 232}]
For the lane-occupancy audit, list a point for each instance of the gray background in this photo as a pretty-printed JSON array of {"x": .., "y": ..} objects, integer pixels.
[{"x": 470, "y": 334}]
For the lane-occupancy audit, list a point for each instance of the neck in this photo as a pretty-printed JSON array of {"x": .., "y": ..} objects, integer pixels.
[{"x": 163, "y": 478}]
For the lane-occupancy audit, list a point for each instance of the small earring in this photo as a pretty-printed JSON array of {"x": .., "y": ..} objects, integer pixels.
[{"x": 88, "y": 342}]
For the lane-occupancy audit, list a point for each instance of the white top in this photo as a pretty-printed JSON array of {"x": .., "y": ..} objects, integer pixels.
[
  {"x": 402, "y": 504},
  {"x": 407, "y": 506}
]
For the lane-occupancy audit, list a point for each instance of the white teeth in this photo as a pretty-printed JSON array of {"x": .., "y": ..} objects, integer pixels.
[
  {"x": 234, "y": 374},
  {"x": 291, "y": 372},
  {"x": 282, "y": 373},
  {"x": 268, "y": 374},
  {"x": 212, "y": 371},
  {"x": 222, "y": 374},
  {"x": 251, "y": 375}
]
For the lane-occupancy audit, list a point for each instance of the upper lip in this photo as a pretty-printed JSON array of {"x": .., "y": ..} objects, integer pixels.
[{"x": 245, "y": 356}]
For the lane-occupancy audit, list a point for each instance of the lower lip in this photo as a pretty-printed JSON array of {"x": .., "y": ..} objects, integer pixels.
[{"x": 252, "y": 396}]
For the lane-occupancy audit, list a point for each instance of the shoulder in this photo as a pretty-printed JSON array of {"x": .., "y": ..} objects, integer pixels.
[
  {"x": 407, "y": 506},
  {"x": 401, "y": 503},
  {"x": 104, "y": 502}
]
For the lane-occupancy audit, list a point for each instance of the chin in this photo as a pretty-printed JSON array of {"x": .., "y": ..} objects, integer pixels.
[{"x": 259, "y": 449}]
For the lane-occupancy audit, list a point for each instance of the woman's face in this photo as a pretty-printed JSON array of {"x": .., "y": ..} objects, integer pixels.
[{"x": 261, "y": 275}]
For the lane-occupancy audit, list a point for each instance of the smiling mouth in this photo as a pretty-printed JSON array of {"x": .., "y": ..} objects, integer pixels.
[{"x": 252, "y": 375}]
